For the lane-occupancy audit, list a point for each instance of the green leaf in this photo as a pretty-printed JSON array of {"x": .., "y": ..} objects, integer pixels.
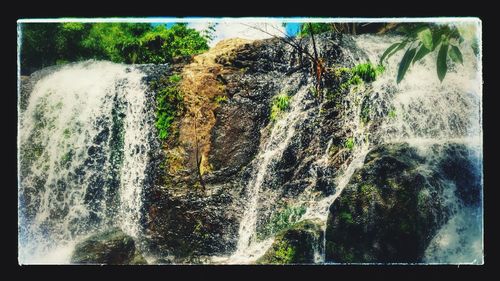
[
  {"x": 405, "y": 63},
  {"x": 389, "y": 50},
  {"x": 437, "y": 37},
  {"x": 425, "y": 36},
  {"x": 456, "y": 55},
  {"x": 422, "y": 52},
  {"x": 475, "y": 47},
  {"x": 442, "y": 67}
]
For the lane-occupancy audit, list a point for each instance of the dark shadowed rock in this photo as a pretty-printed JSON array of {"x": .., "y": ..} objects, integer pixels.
[
  {"x": 109, "y": 247},
  {"x": 189, "y": 225},
  {"x": 394, "y": 204}
]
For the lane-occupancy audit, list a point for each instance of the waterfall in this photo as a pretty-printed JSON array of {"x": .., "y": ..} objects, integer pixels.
[
  {"x": 83, "y": 152},
  {"x": 248, "y": 249},
  {"x": 425, "y": 112}
]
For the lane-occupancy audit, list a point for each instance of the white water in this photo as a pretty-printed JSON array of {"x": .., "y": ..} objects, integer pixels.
[
  {"x": 72, "y": 187},
  {"x": 427, "y": 112},
  {"x": 248, "y": 249}
]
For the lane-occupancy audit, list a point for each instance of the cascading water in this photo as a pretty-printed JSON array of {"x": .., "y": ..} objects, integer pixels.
[
  {"x": 423, "y": 112},
  {"x": 83, "y": 152},
  {"x": 248, "y": 249}
]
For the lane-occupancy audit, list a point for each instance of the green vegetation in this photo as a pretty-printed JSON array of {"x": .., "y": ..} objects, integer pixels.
[
  {"x": 357, "y": 75},
  {"x": 365, "y": 113},
  {"x": 423, "y": 39},
  {"x": 349, "y": 143},
  {"x": 220, "y": 99},
  {"x": 284, "y": 254},
  {"x": 367, "y": 72},
  {"x": 280, "y": 104},
  {"x": 45, "y": 44},
  {"x": 346, "y": 217},
  {"x": 169, "y": 103},
  {"x": 367, "y": 189},
  {"x": 392, "y": 113},
  {"x": 281, "y": 220},
  {"x": 305, "y": 29}
]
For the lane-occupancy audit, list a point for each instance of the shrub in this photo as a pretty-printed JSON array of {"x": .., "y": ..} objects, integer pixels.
[{"x": 169, "y": 103}]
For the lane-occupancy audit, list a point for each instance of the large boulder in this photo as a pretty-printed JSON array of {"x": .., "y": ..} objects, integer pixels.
[
  {"x": 394, "y": 205},
  {"x": 109, "y": 247},
  {"x": 296, "y": 245}
]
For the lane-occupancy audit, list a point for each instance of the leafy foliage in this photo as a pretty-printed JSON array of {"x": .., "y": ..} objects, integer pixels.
[
  {"x": 360, "y": 73},
  {"x": 280, "y": 104},
  {"x": 367, "y": 72},
  {"x": 317, "y": 28},
  {"x": 45, "y": 44},
  {"x": 169, "y": 103},
  {"x": 284, "y": 254},
  {"x": 422, "y": 39}
]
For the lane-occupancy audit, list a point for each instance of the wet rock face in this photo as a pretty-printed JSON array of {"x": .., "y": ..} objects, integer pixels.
[
  {"x": 187, "y": 223},
  {"x": 109, "y": 247},
  {"x": 192, "y": 224},
  {"x": 394, "y": 204},
  {"x": 262, "y": 70}
]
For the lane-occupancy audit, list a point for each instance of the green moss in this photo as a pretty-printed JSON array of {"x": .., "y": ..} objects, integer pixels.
[
  {"x": 365, "y": 115},
  {"x": 283, "y": 219},
  {"x": 67, "y": 133},
  {"x": 405, "y": 227},
  {"x": 220, "y": 99},
  {"x": 279, "y": 104},
  {"x": 285, "y": 253},
  {"x": 281, "y": 252},
  {"x": 367, "y": 189},
  {"x": 346, "y": 217},
  {"x": 392, "y": 183},
  {"x": 392, "y": 114},
  {"x": 66, "y": 158}
]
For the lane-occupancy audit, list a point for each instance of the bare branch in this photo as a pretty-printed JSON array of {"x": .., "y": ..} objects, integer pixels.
[{"x": 287, "y": 39}]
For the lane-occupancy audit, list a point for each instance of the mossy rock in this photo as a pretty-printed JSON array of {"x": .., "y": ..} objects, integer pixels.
[
  {"x": 109, "y": 247},
  {"x": 395, "y": 204},
  {"x": 295, "y": 245}
]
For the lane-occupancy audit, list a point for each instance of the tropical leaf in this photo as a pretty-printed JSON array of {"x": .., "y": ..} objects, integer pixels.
[
  {"x": 405, "y": 63},
  {"x": 442, "y": 66},
  {"x": 425, "y": 36},
  {"x": 455, "y": 54},
  {"x": 400, "y": 47},
  {"x": 387, "y": 51},
  {"x": 437, "y": 37},
  {"x": 421, "y": 53}
]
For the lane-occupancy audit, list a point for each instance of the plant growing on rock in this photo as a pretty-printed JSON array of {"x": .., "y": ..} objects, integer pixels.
[
  {"x": 169, "y": 103},
  {"x": 280, "y": 104},
  {"x": 349, "y": 143}
]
